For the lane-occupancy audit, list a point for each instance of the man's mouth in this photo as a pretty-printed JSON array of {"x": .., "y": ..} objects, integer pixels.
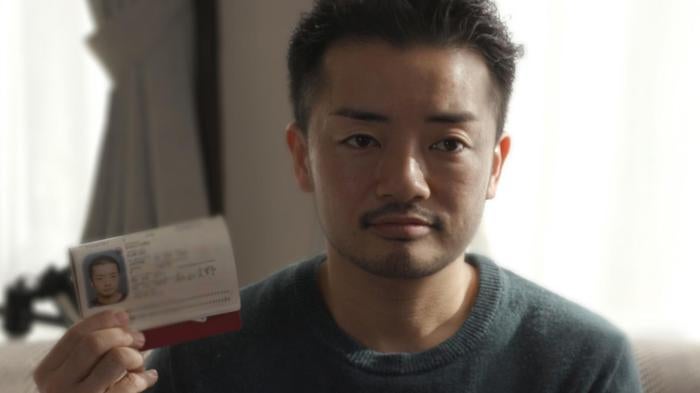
[{"x": 401, "y": 227}]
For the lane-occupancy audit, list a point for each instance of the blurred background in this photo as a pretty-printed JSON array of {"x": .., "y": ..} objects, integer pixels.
[
  {"x": 53, "y": 96},
  {"x": 598, "y": 201}
]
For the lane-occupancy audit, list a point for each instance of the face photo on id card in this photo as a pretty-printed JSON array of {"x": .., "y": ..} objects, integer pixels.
[{"x": 105, "y": 277}]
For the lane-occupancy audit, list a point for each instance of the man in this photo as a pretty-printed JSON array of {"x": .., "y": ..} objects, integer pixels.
[
  {"x": 104, "y": 278},
  {"x": 399, "y": 110}
]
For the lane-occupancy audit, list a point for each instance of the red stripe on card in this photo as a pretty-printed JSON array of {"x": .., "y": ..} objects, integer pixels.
[{"x": 191, "y": 330}]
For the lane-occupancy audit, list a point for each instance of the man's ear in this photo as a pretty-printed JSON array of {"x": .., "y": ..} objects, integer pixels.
[
  {"x": 298, "y": 146},
  {"x": 500, "y": 153}
]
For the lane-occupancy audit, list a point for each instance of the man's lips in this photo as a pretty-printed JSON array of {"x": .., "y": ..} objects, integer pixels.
[
  {"x": 400, "y": 220},
  {"x": 401, "y": 227}
]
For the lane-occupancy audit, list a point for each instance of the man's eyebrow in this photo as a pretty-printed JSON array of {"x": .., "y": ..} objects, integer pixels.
[
  {"x": 358, "y": 114},
  {"x": 451, "y": 117}
]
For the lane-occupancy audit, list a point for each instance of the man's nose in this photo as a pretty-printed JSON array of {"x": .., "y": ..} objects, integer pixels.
[{"x": 401, "y": 176}]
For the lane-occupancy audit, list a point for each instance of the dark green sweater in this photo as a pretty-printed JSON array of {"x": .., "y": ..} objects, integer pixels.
[{"x": 519, "y": 337}]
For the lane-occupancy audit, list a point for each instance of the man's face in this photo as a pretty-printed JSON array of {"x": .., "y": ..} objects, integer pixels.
[
  {"x": 400, "y": 154},
  {"x": 105, "y": 279}
]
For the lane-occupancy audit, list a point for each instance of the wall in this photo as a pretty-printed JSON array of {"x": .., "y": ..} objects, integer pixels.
[{"x": 272, "y": 222}]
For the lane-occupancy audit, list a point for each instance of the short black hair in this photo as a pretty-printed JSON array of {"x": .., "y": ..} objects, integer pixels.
[
  {"x": 449, "y": 23},
  {"x": 103, "y": 259}
]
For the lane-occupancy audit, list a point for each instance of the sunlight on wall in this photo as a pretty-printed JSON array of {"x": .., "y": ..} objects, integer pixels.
[
  {"x": 599, "y": 197},
  {"x": 52, "y": 104}
]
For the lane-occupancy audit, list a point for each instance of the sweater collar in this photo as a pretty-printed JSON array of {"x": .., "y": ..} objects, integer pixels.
[{"x": 468, "y": 337}]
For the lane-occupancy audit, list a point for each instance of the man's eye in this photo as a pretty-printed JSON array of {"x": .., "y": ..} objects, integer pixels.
[
  {"x": 361, "y": 141},
  {"x": 449, "y": 145}
]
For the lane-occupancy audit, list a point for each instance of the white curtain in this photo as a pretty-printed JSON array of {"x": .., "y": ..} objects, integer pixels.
[
  {"x": 52, "y": 98},
  {"x": 600, "y": 197},
  {"x": 151, "y": 170}
]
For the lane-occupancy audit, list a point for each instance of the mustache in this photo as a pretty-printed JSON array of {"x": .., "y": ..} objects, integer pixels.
[{"x": 369, "y": 217}]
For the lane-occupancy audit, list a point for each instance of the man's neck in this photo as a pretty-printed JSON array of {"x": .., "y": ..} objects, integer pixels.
[{"x": 398, "y": 315}]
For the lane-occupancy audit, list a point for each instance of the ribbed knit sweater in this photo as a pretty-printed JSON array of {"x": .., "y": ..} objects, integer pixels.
[{"x": 518, "y": 337}]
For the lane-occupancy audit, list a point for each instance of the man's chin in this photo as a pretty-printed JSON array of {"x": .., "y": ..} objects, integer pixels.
[{"x": 399, "y": 264}]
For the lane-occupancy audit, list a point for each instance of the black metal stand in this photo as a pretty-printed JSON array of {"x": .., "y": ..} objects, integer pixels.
[{"x": 18, "y": 313}]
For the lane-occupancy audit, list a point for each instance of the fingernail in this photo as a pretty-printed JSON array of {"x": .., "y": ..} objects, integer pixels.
[
  {"x": 122, "y": 317},
  {"x": 139, "y": 339},
  {"x": 152, "y": 373}
]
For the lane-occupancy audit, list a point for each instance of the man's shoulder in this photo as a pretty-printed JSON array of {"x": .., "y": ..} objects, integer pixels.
[
  {"x": 532, "y": 306},
  {"x": 525, "y": 311},
  {"x": 544, "y": 324},
  {"x": 536, "y": 331},
  {"x": 549, "y": 313}
]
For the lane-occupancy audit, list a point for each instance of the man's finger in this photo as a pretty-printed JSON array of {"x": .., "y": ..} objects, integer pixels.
[
  {"x": 134, "y": 382},
  {"x": 112, "y": 368},
  {"x": 63, "y": 348},
  {"x": 94, "y": 346}
]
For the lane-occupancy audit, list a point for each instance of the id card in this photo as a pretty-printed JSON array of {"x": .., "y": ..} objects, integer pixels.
[{"x": 178, "y": 282}]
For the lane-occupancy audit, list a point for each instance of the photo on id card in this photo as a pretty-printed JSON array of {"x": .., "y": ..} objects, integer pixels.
[{"x": 105, "y": 278}]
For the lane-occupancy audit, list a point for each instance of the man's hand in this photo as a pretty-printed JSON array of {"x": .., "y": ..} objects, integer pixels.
[{"x": 99, "y": 354}]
